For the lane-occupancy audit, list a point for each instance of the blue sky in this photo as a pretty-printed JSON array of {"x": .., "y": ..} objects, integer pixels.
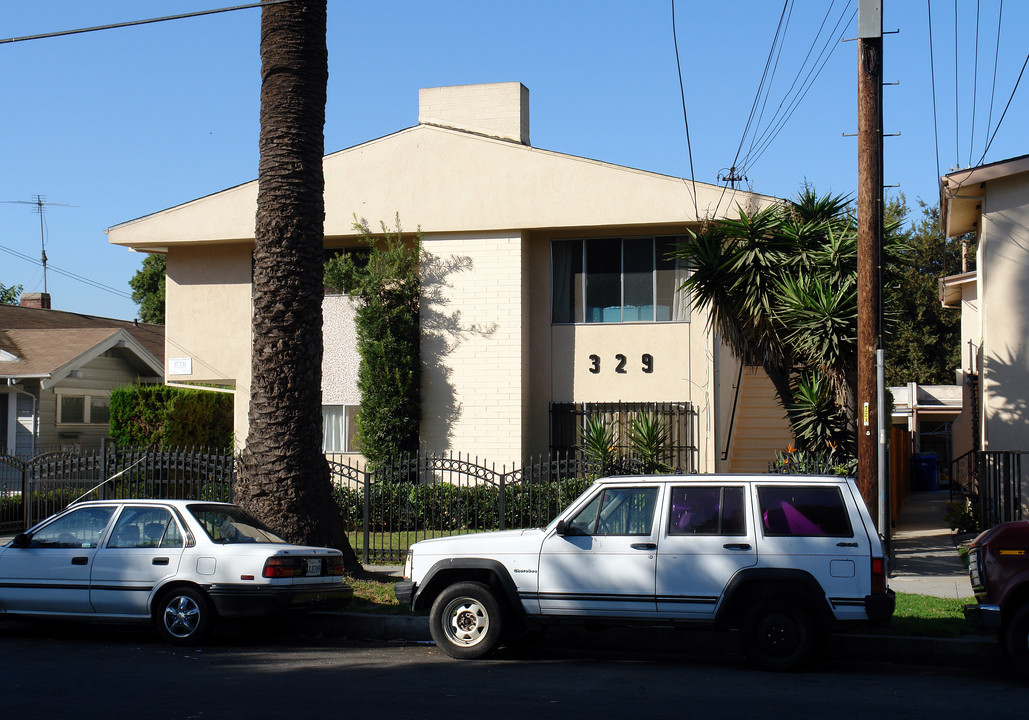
[{"x": 118, "y": 124}]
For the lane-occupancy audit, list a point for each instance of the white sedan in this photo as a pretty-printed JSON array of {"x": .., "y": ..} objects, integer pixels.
[{"x": 181, "y": 564}]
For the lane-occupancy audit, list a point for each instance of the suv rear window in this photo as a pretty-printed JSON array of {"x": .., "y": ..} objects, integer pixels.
[{"x": 791, "y": 511}]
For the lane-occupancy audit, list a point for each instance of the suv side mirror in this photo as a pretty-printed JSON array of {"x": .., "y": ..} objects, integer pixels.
[{"x": 562, "y": 527}]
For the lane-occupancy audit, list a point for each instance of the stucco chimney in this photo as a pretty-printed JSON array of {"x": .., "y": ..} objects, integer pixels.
[
  {"x": 35, "y": 300},
  {"x": 498, "y": 110}
]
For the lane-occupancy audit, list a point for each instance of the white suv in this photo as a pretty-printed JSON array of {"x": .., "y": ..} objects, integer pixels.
[{"x": 782, "y": 558}]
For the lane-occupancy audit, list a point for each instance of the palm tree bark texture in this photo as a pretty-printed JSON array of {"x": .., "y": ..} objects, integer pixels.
[{"x": 284, "y": 478}]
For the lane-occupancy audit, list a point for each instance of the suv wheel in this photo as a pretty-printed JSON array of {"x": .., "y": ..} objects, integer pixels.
[
  {"x": 465, "y": 621},
  {"x": 778, "y": 634},
  {"x": 1015, "y": 636}
]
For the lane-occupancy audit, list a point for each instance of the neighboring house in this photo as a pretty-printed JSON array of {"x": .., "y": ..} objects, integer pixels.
[
  {"x": 57, "y": 370},
  {"x": 993, "y": 202},
  {"x": 548, "y": 292}
]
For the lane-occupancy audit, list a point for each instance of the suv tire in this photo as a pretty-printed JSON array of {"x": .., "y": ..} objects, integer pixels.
[
  {"x": 466, "y": 621},
  {"x": 778, "y": 634}
]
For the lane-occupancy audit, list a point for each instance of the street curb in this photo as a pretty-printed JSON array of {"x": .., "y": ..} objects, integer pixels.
[{"x": 908, "y": 650}]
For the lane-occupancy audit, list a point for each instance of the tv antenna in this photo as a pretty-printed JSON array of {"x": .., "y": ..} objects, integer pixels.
[{"x": 40, "y": 204}]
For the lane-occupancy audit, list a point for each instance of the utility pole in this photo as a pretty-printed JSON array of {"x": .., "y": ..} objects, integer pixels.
[{"x": 869, "y": 252}]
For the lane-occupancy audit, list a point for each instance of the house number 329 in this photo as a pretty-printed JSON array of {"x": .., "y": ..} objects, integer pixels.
[{"x": 646, "y": 363}]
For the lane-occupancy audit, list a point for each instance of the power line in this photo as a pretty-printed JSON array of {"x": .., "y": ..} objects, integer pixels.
[
  {"x": 932, "y": 79},
  {"x": 957, "y": 115},
  {"x": 147, "y": 21},
  {"x": 685, "y": 120},
  {"x": 772, "y": 131},
  {"x": 1008, "y": 105},
  {"x": 996, "y": 58},
  {"x": 73, "y": 276},
  {"x": 757, "y": 96},
  {"x": 975, "y": 83}
]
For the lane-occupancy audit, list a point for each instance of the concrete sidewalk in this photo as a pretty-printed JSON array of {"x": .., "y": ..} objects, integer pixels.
[{"x": 925, "y": 550}]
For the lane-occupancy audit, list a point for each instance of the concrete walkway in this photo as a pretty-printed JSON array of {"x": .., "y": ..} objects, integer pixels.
[{"x": 925, "y": 550}]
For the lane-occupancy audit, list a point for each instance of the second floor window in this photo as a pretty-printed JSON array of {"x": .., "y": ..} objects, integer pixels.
[{"x": 605, "y": 280}]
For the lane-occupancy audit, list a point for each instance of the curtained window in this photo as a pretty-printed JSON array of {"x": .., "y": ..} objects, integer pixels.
[
  {"x": 606, "y": 280},
  {"x": 339, "y": 428}
]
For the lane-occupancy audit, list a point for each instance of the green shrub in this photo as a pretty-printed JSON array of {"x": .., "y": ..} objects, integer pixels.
[
  {"x": 158, "y": 415},
  {"x": 409, "y": 506}
]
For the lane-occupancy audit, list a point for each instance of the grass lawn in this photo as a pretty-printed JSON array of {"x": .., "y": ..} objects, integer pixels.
[{"x": 928, "y": 616}]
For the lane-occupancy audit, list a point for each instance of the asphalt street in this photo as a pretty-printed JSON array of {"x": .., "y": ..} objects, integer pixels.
[{"x": 96, "y": 671}]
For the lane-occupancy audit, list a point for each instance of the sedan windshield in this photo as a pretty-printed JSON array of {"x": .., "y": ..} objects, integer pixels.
[{"x": 226, "y": 524}]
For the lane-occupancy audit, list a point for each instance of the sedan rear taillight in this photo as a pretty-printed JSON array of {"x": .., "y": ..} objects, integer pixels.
[
  {"x": 334, "y": 565},
  {"x": 878, "y": 576},
  {"x": 288, "y": 566},
  {"x": 279, "y": 567}
]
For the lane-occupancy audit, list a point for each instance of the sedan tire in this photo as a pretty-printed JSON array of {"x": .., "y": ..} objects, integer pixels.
[{"x": 183, "y": 616}]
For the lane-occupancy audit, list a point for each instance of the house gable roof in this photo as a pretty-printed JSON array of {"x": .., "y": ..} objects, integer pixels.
[
  {"x": 52, "y": 355},
  {"x": 447, "y": 180},
  {"x": 14, "y": 317}
]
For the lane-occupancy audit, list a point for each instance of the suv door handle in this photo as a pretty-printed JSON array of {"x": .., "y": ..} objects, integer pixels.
[
  {"x": 846, "y": 544},
  {"x": 737, "y": 546},
  {"x": 644, "y": 546},
  {"x": 159, "y": 561}
]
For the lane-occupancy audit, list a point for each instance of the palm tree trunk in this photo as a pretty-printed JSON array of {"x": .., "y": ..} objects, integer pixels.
[{"x": 284, "y": 478}]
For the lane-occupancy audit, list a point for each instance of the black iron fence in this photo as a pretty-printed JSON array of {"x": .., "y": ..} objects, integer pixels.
[
  {"x": 386, "y": 509},
  {"x": 679, "y": 420},
  {"x": 428, "y": 495},
  {"x": 994, "y": 480},
  {"x": 32, "y": 489}
]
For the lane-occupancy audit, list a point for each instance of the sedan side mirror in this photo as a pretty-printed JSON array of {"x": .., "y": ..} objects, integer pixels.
[
  {"x": 21, "y": 540},
  {"x": 562, "y": 527}
]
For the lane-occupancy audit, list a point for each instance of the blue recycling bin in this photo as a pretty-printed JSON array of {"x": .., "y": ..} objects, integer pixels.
[{"x": 925, "y": 472}]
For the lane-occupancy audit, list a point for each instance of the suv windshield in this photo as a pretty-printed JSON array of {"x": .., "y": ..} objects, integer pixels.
[{"x": 226, "y": 524}]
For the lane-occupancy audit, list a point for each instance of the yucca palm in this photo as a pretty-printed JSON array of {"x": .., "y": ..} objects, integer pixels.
[{"x": 779, "y": 287}]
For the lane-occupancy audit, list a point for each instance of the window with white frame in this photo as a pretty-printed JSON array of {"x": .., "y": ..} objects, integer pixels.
[
  {"x": 619, "y": 279},
  {"x": 83, "y": 409},
  {"x": 339, "y": 428}
]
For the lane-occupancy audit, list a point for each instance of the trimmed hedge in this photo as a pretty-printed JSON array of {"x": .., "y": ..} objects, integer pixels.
[
  {"x": 406, "y": 506},
  {"x": 158, "y": 415}
]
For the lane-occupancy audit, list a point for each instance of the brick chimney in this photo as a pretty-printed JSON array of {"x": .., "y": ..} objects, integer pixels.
[
  {"x": 35, "y": 300},
  {"x": 498, "y": 110}
]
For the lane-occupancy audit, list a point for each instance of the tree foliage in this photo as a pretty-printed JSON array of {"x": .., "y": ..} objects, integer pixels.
[
  {"x": 148, "y": 289},
  {"x": 387, "y": 288},
  {"x": 923, "y": 341},
  {"x": 171, "y": 417},
  {"x": 10, "y": 294},
  {"x": 780, "y": 287}
]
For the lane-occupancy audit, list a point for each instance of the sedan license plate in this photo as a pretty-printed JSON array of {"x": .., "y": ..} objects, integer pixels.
[{"x": 314, "y": 566}]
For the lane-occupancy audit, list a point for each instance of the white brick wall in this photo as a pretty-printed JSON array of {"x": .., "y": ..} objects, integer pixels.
[
  {"x": 473, "y": 323},
  {"x": 494, "y": 109}
]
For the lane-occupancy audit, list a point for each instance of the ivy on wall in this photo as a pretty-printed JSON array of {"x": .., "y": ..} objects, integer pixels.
[{"x": 386, "y": 285}]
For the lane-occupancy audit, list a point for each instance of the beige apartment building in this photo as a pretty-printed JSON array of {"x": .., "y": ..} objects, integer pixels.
[
  {"x": 992, "y": 201},
  {"x": 547, "y": 287}
]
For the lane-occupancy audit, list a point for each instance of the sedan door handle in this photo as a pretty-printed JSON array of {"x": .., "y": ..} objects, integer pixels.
[
  {"x": 160, "y": 561},
  {"x": 846, "y": 544},
  {"x": 80, "y": 561},
  {"x": 644, "y": 546},
  {"x": 737, "y": 546}
]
